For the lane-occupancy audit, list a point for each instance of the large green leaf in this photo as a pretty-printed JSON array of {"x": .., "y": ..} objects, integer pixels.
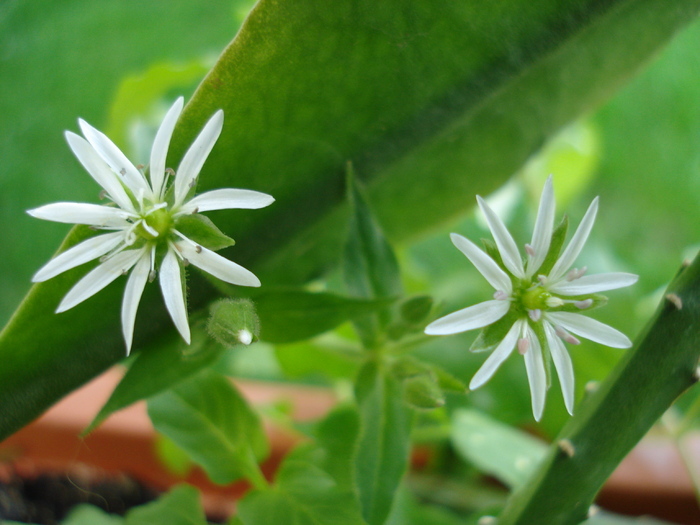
[
  {"x": 432, "y": 101},
  {"x": 210, "y": 420},
  {"x": 180, "y": 506}
]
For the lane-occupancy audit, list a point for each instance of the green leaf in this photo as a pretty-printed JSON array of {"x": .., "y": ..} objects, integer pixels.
[
  {"x": 496, "y": 448},
  {"x": 85, "y": 514},
  {"x": 328, "y": 357},
  {"x": 337, "y": 435},
  {"x": 303, "y": 495},
  {"x": 207, "y": 417},
  {"x": 370, "y": 267},
  {"x": 295, "y": 315},
  {"x": 383, "y": 452},
  {"x": 180, "y": 506},
  {"x": 369, "y": 263},
  {"x": 429, "y": 108},
  {"x": 202, "y": 230},
  {"x": 161, "y": 367}
]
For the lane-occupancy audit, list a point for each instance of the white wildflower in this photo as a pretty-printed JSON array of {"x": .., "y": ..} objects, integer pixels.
[
  {"x": 537, "y": 303},
  {"x": 145, "y": 221}
]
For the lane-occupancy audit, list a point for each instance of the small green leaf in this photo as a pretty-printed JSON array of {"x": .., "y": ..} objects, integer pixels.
[
  {"x": 180, "y": 506},
  {"x": 606, "y": 518},
  {"x": 303, "y": 495},
  {"x": 159, "y": 368},
  {"x": 295, "y": 315},
  {"x": 382, "y": 456},
  {"x": 233, "y": 322},
  {"x": 337, "y": 435},
  {"x": 558, "y": 238},
  {"x": 370, "y": 267},
  {"x": 447, "y": 381},
  {"x": 203, "y": 231},
  {"x": 493, "y": 334},
  {"x": 414, "y": 310},
  {"x": 85, "y": 514},
  {"x": 209, "y": 419},
  {"x": 495, "y": 448}
]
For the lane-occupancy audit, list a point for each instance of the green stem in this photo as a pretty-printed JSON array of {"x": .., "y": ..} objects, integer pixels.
[{"x": 646, "y": 382}]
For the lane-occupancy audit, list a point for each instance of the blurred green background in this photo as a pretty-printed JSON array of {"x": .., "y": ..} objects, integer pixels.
[{"x": 108, "y": 62}]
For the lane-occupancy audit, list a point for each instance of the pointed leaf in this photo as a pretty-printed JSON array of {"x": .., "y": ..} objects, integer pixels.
[
  {"x": 207, "y": 417},
  {"x": 202, "y": 230},
  {"x": 180, "y": 506}
]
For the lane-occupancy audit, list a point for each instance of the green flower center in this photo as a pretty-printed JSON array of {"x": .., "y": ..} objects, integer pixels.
[
  {"x": 160, "y": 221},
  {"x": 537, "y": 298}
]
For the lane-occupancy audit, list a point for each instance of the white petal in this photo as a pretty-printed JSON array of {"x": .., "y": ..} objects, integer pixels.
[
  {"x": 504, "y": 241},
  {"x": 216, "y": 265},
  {"x": 194, "y": 159},
  {"x": 132, "y": 295},
  {"x": 497, "y": 357},
  {"x": 82, "y": 213},
  {"x": 594, "y": 283},
  {"x": 173, "y": 294},
  {"x": 113, "y": 156},
  {"x": 590, "y": 329},
  {"x": 562, "y": 362},
  {"x": 159, "y": 151},
  {"x": 544, "y": 224},
  {"x": 100, "y": 277},
  {"x": 470, "y": 318},
  {"x": 226, "y": 199},
  {"x": 576, "y": 244},
  {"x": 536, "y": 375},
  {"x": 484, "y": 263},
  {"x": 79, "y": 254},
  {"x": 99, "y": 170}
]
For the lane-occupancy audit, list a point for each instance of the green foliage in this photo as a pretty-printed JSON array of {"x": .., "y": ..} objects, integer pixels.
[
  {"x": 495, "y": 448},
  {"x": 88, "y": 515},
  {"x": 158, "y": 369},
  {"x": 208, "y": 418},
  {"x": 382, "y": 456},
  {"x": 429, "y": 109},
  {"x": 288, "y": 316},
  {"x": 180, "y": 506},
  {"x": 315, "y": 484}
]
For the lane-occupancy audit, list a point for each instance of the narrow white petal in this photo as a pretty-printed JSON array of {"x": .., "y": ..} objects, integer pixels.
[
  {"x": 159, "y": 151},
  {"x": 116, "y": 160},
  {"x": 99, "y": 170},
  {"x": 536, "y": 375},
  {"x": 590, "y": 329},
  {"x": 594, "y": 283},
  {"x": 173, "y": 294},
  {"x": 544, "y": 224},
  {"x": 132, "y": 295},
  {"x": 82, "y": 213},
  {"x": 79, "y": 254},
  {"x": 100, "y": 277},
  {"x": 562, "y": 363},
  {"x": 194, "y": 159},
  {"x": 470, "y": 318},
  {"x": 497, "y": 357},
  {"x": 216, "y": 265},
  {"x": 484, "y": 263},
  {"x": 504, "y": 241},
  {"x": 576, "y": 244},
  {"x": 226, "y": 199}
]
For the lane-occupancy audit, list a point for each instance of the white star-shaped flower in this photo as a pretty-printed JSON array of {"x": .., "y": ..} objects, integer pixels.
[
  {"x": 537, "y": 301},
  {"x": 145, "y": 221}
]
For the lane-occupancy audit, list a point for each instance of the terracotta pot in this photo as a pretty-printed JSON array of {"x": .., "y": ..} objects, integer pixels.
[{"x": 651, "y": 480}]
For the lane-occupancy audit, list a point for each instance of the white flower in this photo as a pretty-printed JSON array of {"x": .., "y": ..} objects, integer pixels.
[
  {"x": 536, "y": 302},
  {"x": 143, "y": 226}
]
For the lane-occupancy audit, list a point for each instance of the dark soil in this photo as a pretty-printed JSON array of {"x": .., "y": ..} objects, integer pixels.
[{"x": 46, "y": 499}]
